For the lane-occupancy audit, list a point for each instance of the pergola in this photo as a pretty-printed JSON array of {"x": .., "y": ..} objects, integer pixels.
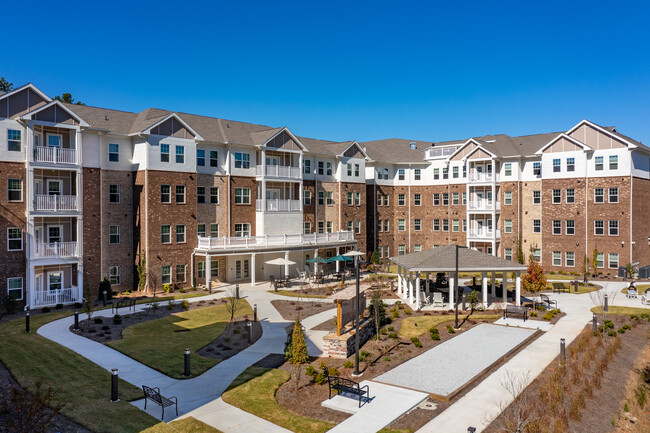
[{"x": 443, "y": 259}]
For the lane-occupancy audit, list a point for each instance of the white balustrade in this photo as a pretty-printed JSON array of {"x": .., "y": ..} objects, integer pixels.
[
  {"x": 476, "y": 176},
  {"x": 68, "y": 295},
  {"x": 277, "y": 205},
  {"x": 487, "y": 205},
  {"x": 54, "y": 155},
  {"x": 55, "y": 250},
  {"x": 55, "y": 202},
  {"x": 273, "y": 240},
  {"x": 283, "y": 171}
]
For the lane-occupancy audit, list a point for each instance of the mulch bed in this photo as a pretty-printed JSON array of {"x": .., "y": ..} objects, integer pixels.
[
  {"x": 233, "y": 340},
  {"x": 290, "y": 310}
]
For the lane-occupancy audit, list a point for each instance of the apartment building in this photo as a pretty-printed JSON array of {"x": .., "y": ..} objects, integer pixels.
[{"x": 90, "y": 192}]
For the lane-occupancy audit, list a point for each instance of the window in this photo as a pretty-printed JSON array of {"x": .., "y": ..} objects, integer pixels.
[
  {"x": 114, "y": 275},
  {"x": 507, "y": 253},
  {"x": 306, "y": 166},
  {"x": 417, "y": 174},
  {"x": 200, "y": 157},
  {"x": 214, "y": 230},
  {"x": 242, "y": 196},
  {"x": 113, "y": 234},
  {"x": 464, "y": 199},
  {"x": 454, "y": 172},
  {"x": 557, "y": 165},
  {"x": 321, "y": 197},
  {"x": 165, "y": 194},
  {"x": 417, "y": 199},
  {"x": 507, "y": 226},
  {"x": 380, "y": 175},
  {"x": 598, "y": 161},
  {"x": 600, "y": 260},
  {"x": 537, "y": 168},
  {"x": 508, "y": 169},
  {"x": 537, "y": 226},
  {"x": 386, "y": 177},
  {"x": 242, "y": 160},
  {"x": 200, "y": 230},
  {"x": 165, "y": 234},
  {"x": 557, "y": 258},
  {"x": 455, "y": 225},
  {"x": 180, "y": 233},
  {"x": 321, "y": 164},
  {"x": 329, "y": 169},
  {"x": 570, "y": 195},
  {"x": 436, "y": 224},
  {"x": 570, "y": 164},
  {"x": 613, "y": 227},
  {"x": 436, "y": 199},
  {"x": 54, "y": 140},
  {"x": 200, "y": 194},
  {"x": 537, "y": 197},
  {"x": 380, "y": 225},
  {"x": 445, "y": 172},
  {"x": 613, "y": 260},
  {"x": 557, "y": 227},
  {"x": 401, "y": 199},
  {"x": 14, "y": 190},
  {"x": 356, "y": 170},
  {"x": 417, "y": 224},
  {"x": 164, "y": 153},
  {"x": 321, "y": 227},
  {"x": 242, "y": 230},
  {"x": 464, "y": 225},
  {"x": 455, "y": 198},
  {"x": 180, "y": 194},
  {"x": 507, "y": 197},
  {"x": 180, "y": 154},
  {"x": 214, "y": 195},
  {"x": 14, "y": 239},
  {"x": 15, "y": 288},
  {"x": 357, "y": 227},
  {"x": 306, "y": 227},
  {"x": 113, "y": 152},
  {"x": 349, "y": 167},
  {"x": 400, "y": 174},
  {"x": 401, "y": 250},
  {"x": 55, "y": 281},
  {"x": 464, "y": 171},
  {"x": 166, "y": 275},
  {"x": 401, "y": 225},
  {"x": 570, "y": 259},
  {"x": 214, "y": 158},
  {"x": 180, "y": 273},
  {"x": 113, "y": 193},
  {"x": 436, "y": 173},
  {"x": 328, "y": 226},
  {"x": 417, "y": 248},
  {"x": 537, "y": 254},
  {"x": 445, "y": 225},
  {"x": 570, "y": 227},
  {"x": 306, "y": 197},
  {"x": 13, "y": 140},
  {"x": 330, "y": 198},
  {"x": 557, "y": 196},
  {"x": 599, "y": 195},
  {"x": 613, "y": 195},
  {"x": 599, "y": 227},
  {"x": 201, "y": 270},
  {"x": 445, "y": 199},
  {"x": 613, "y": 162}
]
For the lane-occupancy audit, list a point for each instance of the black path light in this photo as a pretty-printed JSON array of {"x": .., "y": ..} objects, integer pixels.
[
  {"x": 114, "y": 381},
  {"x": 187, "y": 372},
  {"x": 357, "y": 256}
]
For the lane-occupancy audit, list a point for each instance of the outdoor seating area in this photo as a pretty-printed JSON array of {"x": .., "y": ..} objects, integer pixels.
[
  {"x": 559, "y": 287},
  {"x": 154, "y": 395},
  {"x": 547, "y": 302}
]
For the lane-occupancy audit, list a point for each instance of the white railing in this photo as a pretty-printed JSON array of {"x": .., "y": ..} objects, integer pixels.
[
  {"x": 55, "y": 202},
  {"x": 273, "y": 240},
  {"x": 475, "y": 176},
  {"x": 484, "y": 234},
  {"x": 279, "y": 171},
  {"x": 43, "y": 298},
  {"x": 55, "y": 250},
  {"x": 277, "y": 205},
  {"x": 54, "y": 155},
  {"x": 483, "y": 205}
]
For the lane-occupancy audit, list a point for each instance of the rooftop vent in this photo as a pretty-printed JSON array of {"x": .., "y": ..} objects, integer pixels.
[
  {"x": 413, "y": 145},
  {"x": 105, "y": 117}
]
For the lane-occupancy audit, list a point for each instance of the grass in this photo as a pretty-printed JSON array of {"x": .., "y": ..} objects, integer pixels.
[
  {"x": 410, "y": 330},
  {"x": 185, "y": 425},
  {"x": 621, "y": 311},
  {"x": 295, "y": 294},
  {"x": 560, "y": 277},
  {"x": 156, "y": 344},
  {"x": 640, "y": 288},
  {"x": 83, "y": 385}
]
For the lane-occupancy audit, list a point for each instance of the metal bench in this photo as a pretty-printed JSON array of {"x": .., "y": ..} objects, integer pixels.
[
  {"x": 548, "y": 302},
  {"x": 514, "y": 310},
  {"x": 154, "y": 395},
  {"x": 560, "y": 287},
  {"x": 126, "y": 303},
  {"x": 342, "y": 384}
]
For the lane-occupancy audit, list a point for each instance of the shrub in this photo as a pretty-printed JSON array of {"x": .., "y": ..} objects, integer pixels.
[
  {"x": 117, "y": 319},
  {"x": 634, "y": 317},
  {"x": 58, "y": 306},
  {"x": 408, "y": 312},
  {"x": 46, "y": 309},
  {"x": 612, "y": 333},
  {"x": 393, "y": 335},
  {"x": 363, "y": 355},
  {"x": 185, "y": 304},
  {"x": 167, "y": 288},
  {"x": 105, "y": 328},
  {"x": 77, "y": 305},
  {"x": 627, "y": 327},
  {"x": 390, "y": 328},
  {"x": 348, "y": 364},
  {"x": 641, "y": 395},
  {"x": 320, "y": 378},
  {"x": 311, "y": 371},
  {"x": 552, "y": 272},
  {"x": 416, "y": 342},
  {"x": 170, "y": 305},
  {"x": 182, "y": 290},
  {"x": 383, "y": 331},
  {"x": 451, "y": 329},
  {"x": 154, "y": 305},
  {"x": 621, "y": 331},
  {"x": 533, "y": 314},
  {"x": 400, "y": 306},
  {"x": 98, "y": 320},
  {"x": 395, "y": 314},
  {"x": 608, "y": 324},
  {"x": 104, "y": 284},
  {"x": 333, "y": 371}
]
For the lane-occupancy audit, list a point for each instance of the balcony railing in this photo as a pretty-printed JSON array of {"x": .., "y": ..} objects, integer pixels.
[
  {"x": 276, "y": 205},
  {"x": 54, "y": 155},
  {"x": 475, "y": 176},
  {"x": 44, "y": 298},
  {"x": 55, "y": 250},
  {"x": 274, "y": 240},
  {"x": 484, "y": 234},
  {"x": 55, "y": 203},
  {"x": 279, "y": 171},
  {"x": 487, "y": 205}
]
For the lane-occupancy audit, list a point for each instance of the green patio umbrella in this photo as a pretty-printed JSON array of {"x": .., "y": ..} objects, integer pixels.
[
  {"x": 317, "y": 260},
  {"x": 340, "y": 258}
]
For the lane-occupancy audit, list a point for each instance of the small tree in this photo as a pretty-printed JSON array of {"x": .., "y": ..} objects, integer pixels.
[
  {"x": 5, "y": 86},
  {"x": 474, "y": 300},
  {"x": 105, "y": 285},
  {"x": 535, "y": 280},
  {"x": 594, "y": 261},
  {"x": 152, "y": 281},
  {"x": 378, "y": 311},
  {"x": 374, "y": 258},
  {"x": 29, "y": 412},
  {"x": 142, "y": 272},
  {"x": 585, "y": 270},
  {"x": 89, "y": 306},
  {"x": 520, "y": 252},
  {"x": 520, "y": 409},
  {"x": 233, "y": 304},
  {"x": 297, "y": 353},
  {"x": 629, "y": 271}
]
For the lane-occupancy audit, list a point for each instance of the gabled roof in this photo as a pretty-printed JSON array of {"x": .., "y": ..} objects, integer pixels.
[
  {"x": 115, "y": 121},
  {"x": 612, "y": 132},
  {"x": 23, "y": 87},
  {"x": 59, "y": 104},
  {"x": 443, "y": 259},
  {"x": 396, "y": 150},
  {"x": 566, "y": 137},
  {"x": 263, "y": 137},
  {"x": 355, "y": 144},
  {"x": 179, "y": 120}
]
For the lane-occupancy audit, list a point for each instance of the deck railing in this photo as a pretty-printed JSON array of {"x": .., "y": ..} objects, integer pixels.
[
  {"x": 44, "y": 298},
  {"x": 55, "y": 202},
  {"x": 273, "y": 240},
  {"x": 54, "y": 155},
  {"x": 55, "y": 250},
  {"x": 284, "y": 171},
  {"x": 277, "y": 205},
  {"x": 483, "y": 205}
]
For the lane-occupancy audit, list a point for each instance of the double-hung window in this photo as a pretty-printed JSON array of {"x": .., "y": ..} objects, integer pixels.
[
  {"x": 321, "y": 197},
  {"x": 113, "y": 152},
  {"x": 599, "y": 195},
  {"x": 537, "y": 226},
  {"x": 165, "y": 234},
  {"x": 357, "y": 199},
  {"x": 613, "y": 260},
  {"x": 445, "y": 172},
  {"x": 507, "y": 197},
  {"x": 598, "y": 163},
  {"x": 349, "y": 167},
  {"x": 15, "y": 288},
  {"x": 613, "y": 227},
  {"x": 557, "y": 196},
  {"x": 436, "y": 173},
  {"x": 455, "y": 198},
  {"x": 417, "y": 199},
  {"x": 113, "y": 234},
  {"x": 350, "y": 199},
  {"x": 357, "y": 227},
  {"x": 507, "y": 226},
  {"x": 445, "y": 225},
  {"x": 330, "y": 198},
  {"x": 400, "y": 174},
  {"x": 214, "y": 195},
  {"x": 180, "y": 194},
  {"x": 200, "y": 194},
  {"x": 242, "y": 196},
  {"x": 14, "y": 239},
  {"x": 557, "y": 258},
  {"x": 570, "y": 227},
  {"x": 114, "y": 193},
  {"x": 537, "y": 169},
  {"x": 200, "y": 230},
  {"x": 306, "y": 227},
  {"x": 401, "y": 249},
  {"x": 385, "y": 174},
  {"x": 557, "y": 227},
  {"x": 242, "y": 160},
  {"x": 537, "y": 254},
  {"x": 455, "y": 172},
  {"x": 401, "y": 199},
  {"x": 570, "y": 164},
  {"x": 436, "y": 224},
  {"x": 417, "y": 174},
  {"x": 166, "y": 275},
  {"x": 507, "y": 253},
  {"x": 357, "y": 170},
  {"x": 180, "y": 233},
  {"x": 464, "y": 225},
  {"x": 242, "y": 230},
  {"x": 15, "y": 190},
  {"x": 321, "y": 167},
  {"x": 455, "y": 225},
  {"x": 570, "y": 259},
  {"x": 613, "y": 162},
  {"x": 571, "y": 195},
  {"x": 200, "y": 157},
  {"x": 507, "y": 169},
  {"x": 537, "y": 197},
  {"x": 214, "y": 230},
  {"x": 557, "y": 165},
  {"x": 306, "y": 197},
  {"x": 165, "y": 194},
  {"x": 600, "y": 260},
  {"x": 329, "y": 168},
  {"x": 401, "y": 225},
  {"x": 613, "y": 195},
  {"x": 180, "y": 273},
  {"x": 180, "y": 154},
  {"x": 114, "y": 275},
  {"x": 445, "y": 199},
  {"x": 306, "y": 166},
  {"x": 13, "y": 140},
  {"x": 328, "y": 226},
  {"x": 599, "y": 227},
  {"x": 464, "y": 199},
  {"x": 386, "y": 225},
  {"x": 164, "y": 153},
  {"x": 417, "y": 224},
  {"x": 436, "y": 199},
  {"x": 214, "y": 158}
]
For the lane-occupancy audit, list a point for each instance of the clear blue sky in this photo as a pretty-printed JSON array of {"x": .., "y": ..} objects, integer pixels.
[{"x": 433, "y": 70}]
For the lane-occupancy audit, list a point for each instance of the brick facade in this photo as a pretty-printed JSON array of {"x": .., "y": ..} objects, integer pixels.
[
  {"x": 92, "y": 235},
  {"x": 12, "y": 214}
]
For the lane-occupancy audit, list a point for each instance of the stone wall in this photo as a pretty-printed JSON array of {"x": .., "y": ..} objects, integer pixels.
[{"x": 343, "y": 346}]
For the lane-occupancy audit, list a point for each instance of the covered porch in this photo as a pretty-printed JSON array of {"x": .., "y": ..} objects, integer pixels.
[{"x": 415, "y": 286}]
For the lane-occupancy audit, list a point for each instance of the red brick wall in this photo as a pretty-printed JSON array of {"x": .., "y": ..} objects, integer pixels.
[
  {"x": 355, "y": 213},
  {"x": 12, "y": 214},
  {"x": 242, "y": 213},
  {"x": 641, "y": 221},
  {"x": 91, "y": 229}
]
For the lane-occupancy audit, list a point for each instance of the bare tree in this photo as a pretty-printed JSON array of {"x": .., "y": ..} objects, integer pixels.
[
  {"x": 152, "y": 281},
  {"x": 233, "y": 304},
  {"x": 520, "y": 409},
  {"x": 89, "y": 305},
  {"x": 30, "y": 412},
  {"x": 598, "y": 299}
]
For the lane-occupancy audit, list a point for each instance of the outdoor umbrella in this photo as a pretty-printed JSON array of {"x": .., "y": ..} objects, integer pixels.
[
  {"x": 340, "y": 258},
  {"x": 317, "y": 260},
  {"x": 280, "y": 261}
]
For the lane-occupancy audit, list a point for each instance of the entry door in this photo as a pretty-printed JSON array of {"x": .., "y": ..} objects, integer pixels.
[
  {"x": 38, "y": 187},
  {"x": 489, "y": 225},
  {"x": 272, "y": 194},
  {"x": 242, "y": 269},
  {"x": 272, "y": 160},
  {"x": 38, "y": 282},
  {"x": 479, "y": 199},
  {"x": 488, "y": 194},
  {"x": 479, "y": 227},
  {"x": 54, "y": 187},
  {"x": 38, "y": 238}
]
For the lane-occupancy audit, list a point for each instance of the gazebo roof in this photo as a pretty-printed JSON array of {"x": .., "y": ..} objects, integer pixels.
[{"x": 443, "y": 259}]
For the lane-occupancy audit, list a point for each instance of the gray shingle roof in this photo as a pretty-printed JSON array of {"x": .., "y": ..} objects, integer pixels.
[
  {"x": 443, "y": 259},
  {"x": 397, "y": 150}
]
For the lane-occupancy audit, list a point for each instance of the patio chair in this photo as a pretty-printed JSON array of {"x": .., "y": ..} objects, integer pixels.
[
  {"x": 632, "y": 293},
  {"x": 437, "y": 299}
]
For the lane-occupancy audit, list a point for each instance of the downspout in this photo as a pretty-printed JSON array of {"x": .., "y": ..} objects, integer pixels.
[
  {"x": 146, "y": 210},
  {"x": 631, "y": 219},
  {"x": 340, "y": 175},
  {"x": 587, "y": 211},
  {"x": 409, "y": 208},
  {"x": 228, "y": 178}
]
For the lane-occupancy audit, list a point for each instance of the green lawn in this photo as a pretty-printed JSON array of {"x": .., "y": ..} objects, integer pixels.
[
  {"x": 561, "y": 277},
  {"x": 160, "y": 345},
  {"x": 82, "y": 384},
  {"x": 409, "y": 328},
  {"x": 621, "y": 311},
  {"x": 295, "y": 294},
  {"x": 185, "y": 425}
]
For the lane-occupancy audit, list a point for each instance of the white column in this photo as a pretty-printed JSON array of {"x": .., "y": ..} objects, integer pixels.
[
  {"x": 494, "y": 282},
  {"x": 315, "y": 264},
  {"x": 253, "y": 269},
  {"x": 484, "y": 288},
  {"x": 208, "y": 272},
  {"x": 518, "y": 289},
  {"x": 451, "y": 290},
  {"x": 263, "y": 191},
  {"x": 31, "y": 285},
  {"x": 80, "y": 281},
  {"x": 505, "y": 287},
  {"x": 410, "y": 282},
  {"x": 286, "y": 267},
  {"x": 80, "y": 230},
  {"x": 337, "y": 262},
  {"x": 417, "y": 290},
  {"x": 426, "y": 284},
  {"x": 192, "y": 282},
  {"x": 399, "y": 281}
]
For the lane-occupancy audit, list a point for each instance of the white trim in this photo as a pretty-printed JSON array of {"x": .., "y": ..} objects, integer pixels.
[
  {"x": 166, "y": 118},
  {"x": 603, "y": 130},
  {"x": 29, "y": 116},
  {"x": 22, "y": 287},
  {"x": 567, "y": 137},
  {"x": 293, "y": 137},
  {"x": 26, "y": 86}
]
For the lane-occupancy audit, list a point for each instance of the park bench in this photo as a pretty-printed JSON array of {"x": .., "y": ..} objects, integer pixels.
[
  {"x": 126, "y": 303},
  {"x": 154, "y": 395},
  {"x": 548, "y": 302},
  {"x": 342, "y": 384},
  {"x": 514, "y": 310},
  {"x": 560, "y": 287}
]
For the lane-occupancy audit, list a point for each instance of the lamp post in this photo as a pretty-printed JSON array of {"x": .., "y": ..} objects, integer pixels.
[
  {"x": 456, "y": 290},
  {"x": 356, "y": 255}
]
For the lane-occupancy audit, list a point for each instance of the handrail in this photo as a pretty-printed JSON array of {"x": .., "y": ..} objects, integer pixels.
[{"x": 273, "y": 240}]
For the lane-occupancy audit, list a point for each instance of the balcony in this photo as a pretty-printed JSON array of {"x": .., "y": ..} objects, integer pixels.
[
  {"x": 277, "y": 205},
  {"x": 478, "y": 177},
  {"x": 483, "y": 205},
  {"x": 484, "y": 234},
  {"x": 54, "y": 155},
  {"x": 279, "y": 171},
  {"x": 55, "y": 203},
  {"x": 67, "y": 295},
  {"x": 56, "y": 250},
  {"x": 274, "y": 241}
]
